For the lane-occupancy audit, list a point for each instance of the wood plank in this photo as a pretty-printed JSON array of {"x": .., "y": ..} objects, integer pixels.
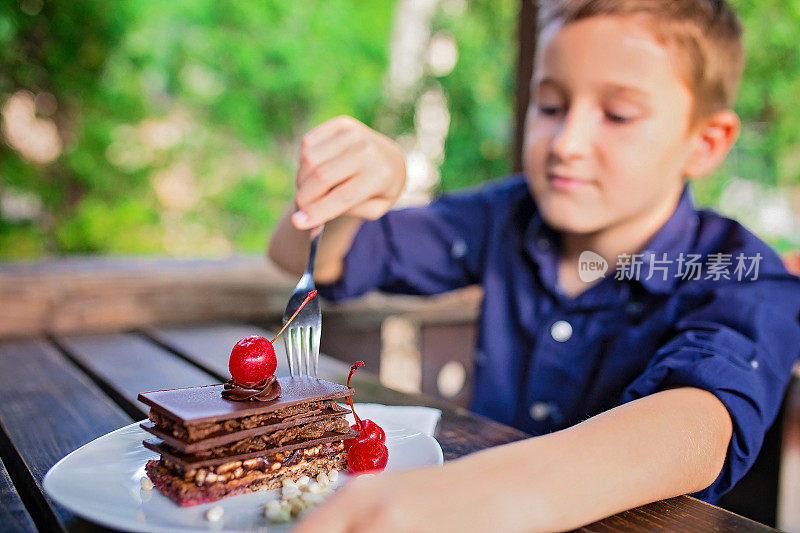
[
  {"x": 127, "y": 364},
  {"x": 683, "y": 514},
  {"x": 40, "y": 389},
  {"x": 86, "y": 294},
  {"x": 93, "y": 294},
  {"x": 13, "y": 515},
  {"x": 210, "y": 347}
]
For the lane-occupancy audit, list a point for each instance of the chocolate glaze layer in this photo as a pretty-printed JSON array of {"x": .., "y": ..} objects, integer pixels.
[{"x": 195, "y": 405}]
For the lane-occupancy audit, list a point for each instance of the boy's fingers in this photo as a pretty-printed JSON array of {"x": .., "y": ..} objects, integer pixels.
[
  {"x": 328, "y": 518},
  {"x": 323, "y": 152},
  {"x": 337, "y": 202},
  {"x": 327, "y": 176},
  {"x": 371, "y": 209},
  {"x": 327, "y": 129}
]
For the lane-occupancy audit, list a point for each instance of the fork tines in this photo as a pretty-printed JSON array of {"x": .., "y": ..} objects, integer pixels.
[{"x": 302, "y": 348}]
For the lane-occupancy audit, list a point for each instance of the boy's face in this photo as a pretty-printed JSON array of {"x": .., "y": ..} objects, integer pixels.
[{"x": 607, "y": 134}]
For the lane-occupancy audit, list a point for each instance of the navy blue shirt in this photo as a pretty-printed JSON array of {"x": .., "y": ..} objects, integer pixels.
[{"x": 546, "y": 361}]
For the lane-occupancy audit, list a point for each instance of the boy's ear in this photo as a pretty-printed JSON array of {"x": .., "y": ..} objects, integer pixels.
[{"x": 714, "y": 137}]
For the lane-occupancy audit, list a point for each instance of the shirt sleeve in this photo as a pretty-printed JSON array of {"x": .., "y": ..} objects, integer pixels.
[
  {"x": 420, "y": 250},
  {"x": 740, "y": 345}
]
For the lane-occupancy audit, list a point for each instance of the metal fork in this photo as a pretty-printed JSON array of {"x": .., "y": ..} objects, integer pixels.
[{"x": 302, "y": 337}]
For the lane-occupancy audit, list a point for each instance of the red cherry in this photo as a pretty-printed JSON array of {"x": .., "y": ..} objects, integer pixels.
[
  {"x": 367, "y": 455},
  {"x": 349, "y": 443},
  {"x": 370, "y": 430},
  {"x": 252, "y": 359},
  {"x": 367, "y": 451}
]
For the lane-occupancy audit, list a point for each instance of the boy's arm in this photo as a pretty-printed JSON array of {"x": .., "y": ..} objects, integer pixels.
[
  {"x": 670, "y": 443},
  {"x": 348, "y": 172}
]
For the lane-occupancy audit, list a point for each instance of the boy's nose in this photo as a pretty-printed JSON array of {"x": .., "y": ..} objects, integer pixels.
[{"x": 575, "y": 137}]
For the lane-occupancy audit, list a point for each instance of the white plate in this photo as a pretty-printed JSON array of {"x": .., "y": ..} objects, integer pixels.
[{"x": 101, "y": 482}]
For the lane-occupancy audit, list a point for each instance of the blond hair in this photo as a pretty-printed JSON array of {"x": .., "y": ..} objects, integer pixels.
[{"x": 705, "y": 34}]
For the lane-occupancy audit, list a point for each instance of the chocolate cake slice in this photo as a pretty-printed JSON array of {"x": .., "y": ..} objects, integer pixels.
[{"x": 212, "y": 447}]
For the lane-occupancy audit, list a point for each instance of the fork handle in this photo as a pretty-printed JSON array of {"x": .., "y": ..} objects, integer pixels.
[{"x": 312, "y": 251}]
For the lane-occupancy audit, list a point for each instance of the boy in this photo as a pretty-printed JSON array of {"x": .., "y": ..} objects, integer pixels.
[{"x": 655, "y": 381}]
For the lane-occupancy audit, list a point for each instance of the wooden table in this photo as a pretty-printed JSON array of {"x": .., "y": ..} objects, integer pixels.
[{"x": 59, "y": 392}]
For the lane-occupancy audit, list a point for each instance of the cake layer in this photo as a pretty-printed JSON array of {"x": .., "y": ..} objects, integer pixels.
[
  {"x": 221, "y": 433},
  {"x": 190, "y": 461},
  {"x": 199, "y": 405},
  {"x": 269, "y": 441},
  {"x": 193, "y": 487}
]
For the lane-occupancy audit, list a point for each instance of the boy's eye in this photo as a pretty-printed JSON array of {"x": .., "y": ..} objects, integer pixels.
[
  {"x": 617, "y": 119},
  {"x": 549, "y": 110}
]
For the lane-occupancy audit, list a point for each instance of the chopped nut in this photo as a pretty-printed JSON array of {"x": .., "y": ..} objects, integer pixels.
[
  {"x": 322, "y": 479},
  {"x": 303, "y": 481},
  {"x": 146, "y": 483},
  {"x": 278, "y": 515},
  {"x": 252, "y": 463},
  {"x": 239, "y": 472},
  {"x": 290, "y": 492},
  {"x": 274, "y": 466},
  {"x": 228, "y": 467},
  {"x": 273, "y": 504},
  {"x": 200, "y": 478},
  {"x": 289, "y": 483},
  {"x": 211, "y": 477},
  {"x": 214, "y": 514},
  {"x": 279, "y": 456},
  {"x": 312, "y": 499}
]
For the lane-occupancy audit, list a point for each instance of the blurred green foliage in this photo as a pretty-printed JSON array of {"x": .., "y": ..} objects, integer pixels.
[{"x": 181, "y": 120}]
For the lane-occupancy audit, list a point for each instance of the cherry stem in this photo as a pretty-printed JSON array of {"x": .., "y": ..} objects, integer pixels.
[
  {"x": 310, "y": 295},
  {"x": 349, "y": 399}
]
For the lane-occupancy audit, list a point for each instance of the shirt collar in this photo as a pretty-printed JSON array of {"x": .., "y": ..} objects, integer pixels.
[{"x": 659, "y": 266}]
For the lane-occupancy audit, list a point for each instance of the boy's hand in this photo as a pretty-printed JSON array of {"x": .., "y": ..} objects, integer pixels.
[{"x": 346, "y": 168}]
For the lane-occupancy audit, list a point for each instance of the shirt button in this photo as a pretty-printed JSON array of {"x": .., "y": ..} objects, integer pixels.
[
  {"x": 459, "y": 249},
  {"x": 561, "y": 331},
  {"x": 754, "y": 364},
  {"x": 634, "y": 308},
  {"x": 539, "y": 411}
]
